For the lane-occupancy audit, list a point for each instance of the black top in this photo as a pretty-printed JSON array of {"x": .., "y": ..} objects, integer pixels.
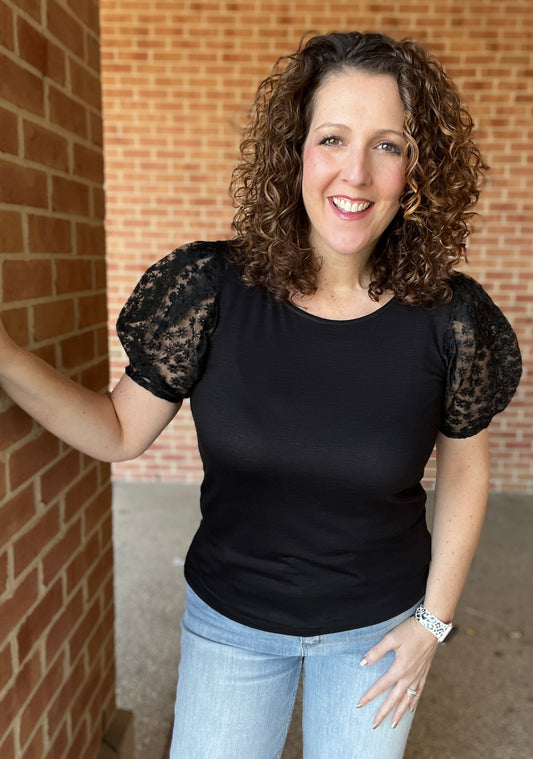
[{"x": 314, "y": 434}]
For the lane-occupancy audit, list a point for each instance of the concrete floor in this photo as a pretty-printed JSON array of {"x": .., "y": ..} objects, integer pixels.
[{"x": 478, "y": 702}]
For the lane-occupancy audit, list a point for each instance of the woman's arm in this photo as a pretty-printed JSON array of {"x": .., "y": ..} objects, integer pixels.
[
  {"x": 112, "y": 427},
  {"x": 460, "y": 502},
  {"x": 461, "y": 491}
]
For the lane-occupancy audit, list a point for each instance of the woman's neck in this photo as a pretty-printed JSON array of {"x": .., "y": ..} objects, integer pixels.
[{"x": 341, "y": 298}]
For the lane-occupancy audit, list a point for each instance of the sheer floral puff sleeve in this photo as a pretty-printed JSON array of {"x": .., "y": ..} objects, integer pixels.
[
  {"x": 483, "y": 361},
  {"x": 165, "y": 324}
]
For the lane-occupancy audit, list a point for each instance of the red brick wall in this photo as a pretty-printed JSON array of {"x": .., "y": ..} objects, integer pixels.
[
  {"x": 56, "y": 582},
  {"x": 178, "y": 79}
]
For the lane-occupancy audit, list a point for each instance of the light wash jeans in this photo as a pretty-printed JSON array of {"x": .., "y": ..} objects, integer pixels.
[{"x": 237, "y": 687}]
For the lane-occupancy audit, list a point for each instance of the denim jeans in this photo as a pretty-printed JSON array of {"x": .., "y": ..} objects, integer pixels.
[{"x": 237, "y": 687}]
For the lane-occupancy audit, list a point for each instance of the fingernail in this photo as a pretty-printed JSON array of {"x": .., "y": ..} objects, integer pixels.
[
  {"x": 359, "y": 706},
  {"x": 374, "y": 725},
  {"x": 363, "y": 662},
  {"x": 394, "y": 724}
]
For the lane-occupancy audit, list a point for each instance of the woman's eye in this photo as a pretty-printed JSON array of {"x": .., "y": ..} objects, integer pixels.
[
  {"x": 390, "y": 147},
  {"x": 332, "y": 140}
]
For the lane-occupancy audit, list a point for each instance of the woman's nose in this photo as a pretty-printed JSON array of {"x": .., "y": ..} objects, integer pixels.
[{"x": 356, "y": 169}]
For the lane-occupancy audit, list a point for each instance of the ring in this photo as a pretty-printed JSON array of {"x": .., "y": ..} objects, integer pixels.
[{"x": 412, "y": 692}]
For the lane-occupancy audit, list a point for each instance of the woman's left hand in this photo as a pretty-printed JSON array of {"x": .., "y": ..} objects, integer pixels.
[{"x": 414, "y": 649}]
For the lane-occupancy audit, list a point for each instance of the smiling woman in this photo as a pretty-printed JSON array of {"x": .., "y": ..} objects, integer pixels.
[
  {"x": 352, "y": 180},
  {"x": 326, "y": 349},
  {"x": 427, "y": 238}
]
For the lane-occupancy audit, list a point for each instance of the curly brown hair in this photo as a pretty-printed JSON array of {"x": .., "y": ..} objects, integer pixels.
[{"x": 416, "y": 255}]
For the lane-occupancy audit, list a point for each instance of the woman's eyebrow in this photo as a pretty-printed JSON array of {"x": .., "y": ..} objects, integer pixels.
[
  {"x": 336, "y": 125},
  {"x": 331, "y": 124}
]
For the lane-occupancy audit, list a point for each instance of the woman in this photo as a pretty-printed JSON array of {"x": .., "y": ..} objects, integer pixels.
[{"x": 326, "y": 349}]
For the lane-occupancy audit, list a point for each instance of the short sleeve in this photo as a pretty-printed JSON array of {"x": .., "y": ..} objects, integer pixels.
[
  {"x": 165, "y": 324},
  {"x": 483, "y": 361}
]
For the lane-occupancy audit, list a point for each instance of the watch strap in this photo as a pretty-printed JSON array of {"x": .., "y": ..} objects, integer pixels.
[{"x": 432, "y": 623}]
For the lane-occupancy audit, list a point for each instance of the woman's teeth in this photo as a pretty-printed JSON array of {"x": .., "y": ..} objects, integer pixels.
[{"x": 348, "y": 207}]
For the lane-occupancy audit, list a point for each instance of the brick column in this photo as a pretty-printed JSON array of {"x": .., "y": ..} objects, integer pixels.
[{"x": 56, "y": 560}]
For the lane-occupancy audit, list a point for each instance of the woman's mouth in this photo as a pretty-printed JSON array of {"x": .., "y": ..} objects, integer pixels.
[{"x": 348, "y": 206}]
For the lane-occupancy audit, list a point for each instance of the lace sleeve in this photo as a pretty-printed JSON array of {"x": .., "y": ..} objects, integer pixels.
[
  {"x": 165, "y": 323},
  {"x": 484, "y": 363}
]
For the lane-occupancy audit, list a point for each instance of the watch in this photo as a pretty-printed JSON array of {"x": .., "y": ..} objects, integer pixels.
[{"x": 440, "y": 629}]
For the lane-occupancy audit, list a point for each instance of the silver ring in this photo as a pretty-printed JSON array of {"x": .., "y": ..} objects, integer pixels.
[{"x": 412, "y": 692}]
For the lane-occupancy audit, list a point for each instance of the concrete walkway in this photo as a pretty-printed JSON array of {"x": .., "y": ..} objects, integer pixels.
[{"x": 478, "y": 702}]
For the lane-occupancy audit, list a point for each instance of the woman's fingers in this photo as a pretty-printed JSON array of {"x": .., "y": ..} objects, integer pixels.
[
  {"x": 398, "y": 701},
  {"x": 406, "y": 677},
  {"x": 382, "y": 685},
  {"x": 407, "y": 702},
  {"x": 380, "y": 649}
]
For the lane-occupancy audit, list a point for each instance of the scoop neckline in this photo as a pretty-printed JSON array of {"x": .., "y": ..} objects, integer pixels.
[{"x": 324, "y": 320}]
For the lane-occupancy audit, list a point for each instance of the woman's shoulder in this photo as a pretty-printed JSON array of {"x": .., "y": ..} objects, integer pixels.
[
  {"x": 474, "y": 315},
  {"x": 473, "y": 308},
  {"x": 483, "y": 357},
  {"x": 189, "y": 273},
  {"x": 194, "y": 260},
  {"x": 165, "y": 322},
  {"x": 466, "y": 288}
]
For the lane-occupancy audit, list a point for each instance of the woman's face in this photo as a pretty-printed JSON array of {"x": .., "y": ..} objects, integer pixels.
[{"x": 353, "y": 165}]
